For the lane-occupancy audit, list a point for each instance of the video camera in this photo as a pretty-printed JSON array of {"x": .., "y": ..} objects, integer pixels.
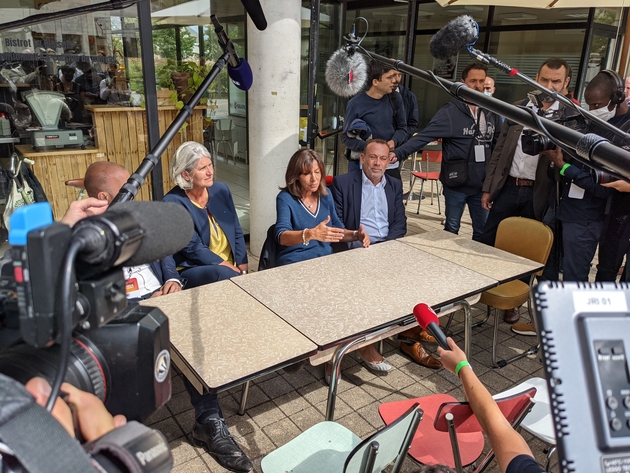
[
  {"x": 535, "y": 143},
  {"x": 121, "y": 356}
]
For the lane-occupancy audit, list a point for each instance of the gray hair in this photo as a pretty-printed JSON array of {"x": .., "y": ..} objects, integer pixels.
[{"x": 185, "y": 159}]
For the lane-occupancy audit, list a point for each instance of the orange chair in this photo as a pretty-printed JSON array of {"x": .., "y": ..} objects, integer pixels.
[
  {"x": 430, "y": 163},
  {"x": 455, "y": 437}
]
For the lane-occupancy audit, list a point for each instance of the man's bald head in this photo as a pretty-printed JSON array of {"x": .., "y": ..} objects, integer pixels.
[{"x": 103, "y": 180}]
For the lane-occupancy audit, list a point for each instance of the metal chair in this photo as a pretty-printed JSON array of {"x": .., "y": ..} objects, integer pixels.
[
  {"x": 427, "y": 172},
  {"x": 223, "y": 133},
  {"x": 538, "y": 422},
  {"x": 530, "y": 239},
  {"x": 330, "y": 447},
  {"x": 455, "y": 437}
]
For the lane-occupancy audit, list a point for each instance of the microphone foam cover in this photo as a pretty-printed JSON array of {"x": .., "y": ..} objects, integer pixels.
[
  {"x": 168, "y": 227},
  {"x": 241, "y": 75},
  {"x": 346, "y": 74},
  {"x": 456, "y": 34},
  {"x": 424, "y": 315}
]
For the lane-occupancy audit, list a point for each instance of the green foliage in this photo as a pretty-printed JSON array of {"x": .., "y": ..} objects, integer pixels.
[{"x": 164, "y": 43}]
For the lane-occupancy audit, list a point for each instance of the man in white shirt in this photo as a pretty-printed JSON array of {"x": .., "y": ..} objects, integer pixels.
[{"x": 516, "y": 183}]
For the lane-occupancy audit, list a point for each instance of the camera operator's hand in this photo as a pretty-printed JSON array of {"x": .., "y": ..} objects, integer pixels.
[
  {"x": 621, "y": 186},
  {"x": 93, "y": 418},
  {"x": 556, "y": 157},
  {"x": 80, "y": 209}
]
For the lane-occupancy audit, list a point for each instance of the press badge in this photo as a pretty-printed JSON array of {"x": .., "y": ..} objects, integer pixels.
[
  {"x": 480, "y": 153},
  {"x": 576, "y": 192}
]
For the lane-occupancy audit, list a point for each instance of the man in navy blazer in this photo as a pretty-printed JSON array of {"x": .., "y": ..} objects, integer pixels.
[
  {"x": 382, "y": 220},
  {"x": 367, "y": 197}
]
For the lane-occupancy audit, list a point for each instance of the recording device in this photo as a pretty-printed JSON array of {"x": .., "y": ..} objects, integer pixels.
[
  {"x": 456, "y": 34},
  {"x": 584, "y": 339},
  {"x": 238, "y": 68},
  {"x": 428, "y": 320},
  {"x": 346, "y": 70},
  {"x": 534, "y": 143},
  {"x": 121, "y": 357}
]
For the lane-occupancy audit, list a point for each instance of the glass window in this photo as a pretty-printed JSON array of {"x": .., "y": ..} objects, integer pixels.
[
  {"x": 433, "y": 16},
  {"x": 512, "y": 16}
]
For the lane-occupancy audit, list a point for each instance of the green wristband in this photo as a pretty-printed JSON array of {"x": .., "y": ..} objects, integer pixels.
[
  {"x": 564, "y": 168},
  {"x": 460, "y": 365}
]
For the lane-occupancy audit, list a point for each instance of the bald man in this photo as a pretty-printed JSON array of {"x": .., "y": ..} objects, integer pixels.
[{"x": 488, "y": 86}]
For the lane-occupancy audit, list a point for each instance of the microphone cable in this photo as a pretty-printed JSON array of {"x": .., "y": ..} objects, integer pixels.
[{"x": 65, "y": 319}]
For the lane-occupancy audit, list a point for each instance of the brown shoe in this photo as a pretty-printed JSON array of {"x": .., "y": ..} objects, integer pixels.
[
  {"x": 511, "y": 316},
  {"x": 416, "y": 334},
  {"x": 420, "y": 355}
]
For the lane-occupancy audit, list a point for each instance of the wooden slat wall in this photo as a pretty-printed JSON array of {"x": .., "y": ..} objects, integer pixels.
[{"x": 121, "y": 137}]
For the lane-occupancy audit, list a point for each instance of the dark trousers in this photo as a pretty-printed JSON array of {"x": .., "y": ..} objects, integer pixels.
[
  {"x": 579, "y": 242},
  {"x": 512, "y": 201},
  {"x": 394, "y": 173},
  {"x": 454, "y": 202},
  {"x": 201, "y": 275},
  {"x": 206, "y": 405},
  {"x": 613, "y": 246},
  {"x": 353, "y": 165},
  {"x": 552, "y": 268}
]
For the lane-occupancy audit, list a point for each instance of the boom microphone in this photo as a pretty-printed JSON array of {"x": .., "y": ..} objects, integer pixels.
[
  {"x": 238, "y": 68},
  {"x": 346, "y": 72},
  {"x": 132, "y": 233},
  {"x": 456, "y": 34},
  {"x": 255, "y": 12},
  {"x": 427, "y": 319}
]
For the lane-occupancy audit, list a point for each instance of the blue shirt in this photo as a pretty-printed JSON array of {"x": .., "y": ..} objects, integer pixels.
[
  {"x": 374, "y": 214},
  {"x": 292, "y": 215}
]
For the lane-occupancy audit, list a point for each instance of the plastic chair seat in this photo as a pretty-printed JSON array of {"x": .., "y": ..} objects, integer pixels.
[
  {"x": 429, "y": 446},
  {"x": 506, "y": 296},
  {"x": 323, "y": 447},
  {"x": 427, "y": 176}
]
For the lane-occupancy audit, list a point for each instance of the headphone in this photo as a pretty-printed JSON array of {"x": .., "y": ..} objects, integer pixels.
[{"x": 618, "y": 96}]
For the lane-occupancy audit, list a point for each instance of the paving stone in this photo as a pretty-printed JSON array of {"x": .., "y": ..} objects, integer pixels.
[
  {"x": 169, "y": 428},
  {"x": 182, "y": 451},
  {"x": 291, "y": 403},
  {"x": 357, "y": 424},
  {"x": 356, "y": 397},
  {"x": 275, "y": 387},
  {"x": 281, "y": 432},
  {"x": 179, "y": 403}
]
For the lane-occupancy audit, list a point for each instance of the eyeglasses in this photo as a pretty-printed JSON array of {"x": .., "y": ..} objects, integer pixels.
[{"x": 487, "y": 88}]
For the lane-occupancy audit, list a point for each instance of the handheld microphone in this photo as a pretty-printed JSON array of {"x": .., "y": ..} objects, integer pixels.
[
  {"x": 238, "y": 68},
  {"x": 428, "y": 320},
  {"x": 457, "y": 33},
  {"x": 132, "y": 233},
  {"x": 255, "y": 12}
]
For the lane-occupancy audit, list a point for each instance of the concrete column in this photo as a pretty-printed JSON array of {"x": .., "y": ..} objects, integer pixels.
[{"x": 273, "y": 110}]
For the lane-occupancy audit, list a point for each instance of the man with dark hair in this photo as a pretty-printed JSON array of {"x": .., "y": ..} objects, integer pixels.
[
  {"x": 468, "y": 134},
  {"x": 380, "y": 113},
  {"x": 516, "y": 183}
]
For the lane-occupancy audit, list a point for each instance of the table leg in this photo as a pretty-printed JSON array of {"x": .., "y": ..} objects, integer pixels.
[
  {"x": 244, "y": 393},
  {"x": 334, "y": 376}
]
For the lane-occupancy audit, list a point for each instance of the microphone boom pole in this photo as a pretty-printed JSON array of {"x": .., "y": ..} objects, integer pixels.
[
  {"x": 130, "y": 189},
  {"x": 590, "y": 148}
]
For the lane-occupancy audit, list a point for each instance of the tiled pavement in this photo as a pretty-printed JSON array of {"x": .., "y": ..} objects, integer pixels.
[{"x": 281, "y": 405}]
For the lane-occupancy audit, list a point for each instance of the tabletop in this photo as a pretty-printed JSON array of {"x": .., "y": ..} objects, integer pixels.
[
  {"x": 335, "y": 297},
  {"x": 227, "y": 337},
  {"x": 476, "y": 256}
]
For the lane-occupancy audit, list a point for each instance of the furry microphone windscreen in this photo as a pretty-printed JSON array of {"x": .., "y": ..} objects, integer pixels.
[
  {"x": 346, "y": 74},
  {"x": 453, "y": 36}
]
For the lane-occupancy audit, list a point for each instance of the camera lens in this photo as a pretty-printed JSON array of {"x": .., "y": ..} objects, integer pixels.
[{"x": 87, "y": 369}]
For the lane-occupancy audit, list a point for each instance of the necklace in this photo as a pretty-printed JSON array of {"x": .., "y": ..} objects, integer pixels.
[{"x": 308, "y": 206}]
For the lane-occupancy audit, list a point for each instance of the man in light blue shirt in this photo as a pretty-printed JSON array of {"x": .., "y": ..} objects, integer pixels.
[{"x": 367, "y": 197}]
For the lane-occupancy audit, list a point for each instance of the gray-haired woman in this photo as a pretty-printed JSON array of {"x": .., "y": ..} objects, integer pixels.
[{"x": 217, "y": 248}]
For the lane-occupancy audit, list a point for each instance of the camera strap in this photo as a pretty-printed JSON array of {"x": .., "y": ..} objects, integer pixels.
[{"x": 38, "y": 441}]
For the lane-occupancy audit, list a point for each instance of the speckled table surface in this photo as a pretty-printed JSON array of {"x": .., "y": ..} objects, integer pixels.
[
  {"x": 225, "y": 336},
  {"x": 332, "y": 298},
  {"x": 483, "y": 259}
]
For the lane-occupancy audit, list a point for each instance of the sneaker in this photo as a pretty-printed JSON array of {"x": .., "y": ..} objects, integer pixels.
[{"x": 524, "y": 329}]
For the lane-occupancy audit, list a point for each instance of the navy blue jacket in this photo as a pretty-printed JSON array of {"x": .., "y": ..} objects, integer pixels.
[
  {"x": 165, "y": 269},
  {"x": 454, "y": 123},
  {"x": 221, "y": 206},
  {"x": 411, "y": 109},
  {"x": 346, "y": 191}
]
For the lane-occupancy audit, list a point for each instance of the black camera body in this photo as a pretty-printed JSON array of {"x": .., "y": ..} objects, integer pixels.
[
  {"x": 534, "y": 143},
  {"x": 119, "y": 354}
]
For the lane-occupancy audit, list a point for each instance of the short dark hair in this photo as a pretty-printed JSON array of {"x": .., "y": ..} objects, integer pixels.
[
  {"x": 603, "y": 82},
  {"x": 300, "y": 163},
  {"x": 556, "y": 63},
  {"x": 67, "y": 68},
  {"x": 375, "y": 140},
  {"x": 376, "y": 71},
  {"x": 474, "y": 65}
]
